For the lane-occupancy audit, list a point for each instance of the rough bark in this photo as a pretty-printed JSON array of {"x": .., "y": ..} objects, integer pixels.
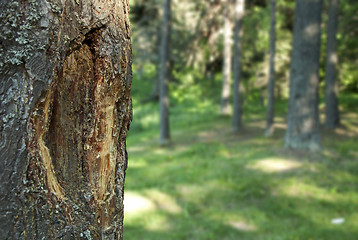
[
  {"x": 239, "y": 13},
  {"x": 164, "y": 75},
  {"x": 303, "y": 119},
  {"x": 331, "y": 89},
  {"x": 271, "y": 84},
  {"x": 225, "y": 94},
  {"x": 65, "y": 111}
]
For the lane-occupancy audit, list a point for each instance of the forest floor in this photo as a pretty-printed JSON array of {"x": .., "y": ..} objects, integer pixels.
[{"x": 213, "y": 184}]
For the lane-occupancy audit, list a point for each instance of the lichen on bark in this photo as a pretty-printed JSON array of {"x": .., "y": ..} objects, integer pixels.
[{"x": 71, "y": 169}]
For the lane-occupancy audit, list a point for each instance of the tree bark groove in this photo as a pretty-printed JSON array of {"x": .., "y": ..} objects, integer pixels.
[{"x": 66, "y": 119}]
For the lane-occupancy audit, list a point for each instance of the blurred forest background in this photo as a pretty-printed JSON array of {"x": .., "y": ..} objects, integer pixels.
[{"x": 207, "y": 166}]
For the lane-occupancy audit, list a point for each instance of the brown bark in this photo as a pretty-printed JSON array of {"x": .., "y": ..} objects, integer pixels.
[{"x": 67, "y": 153}]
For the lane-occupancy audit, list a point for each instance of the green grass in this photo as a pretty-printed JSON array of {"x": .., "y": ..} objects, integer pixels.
[{"x": 213, "y": 184}]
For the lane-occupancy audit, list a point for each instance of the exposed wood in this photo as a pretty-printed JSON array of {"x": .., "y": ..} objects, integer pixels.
[{"x": 75, "y": 111}]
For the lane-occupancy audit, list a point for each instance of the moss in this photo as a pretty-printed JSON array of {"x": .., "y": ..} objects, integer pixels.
[
  {"x": 19, "y": 27},
  {"x": 55, "y": 8}
]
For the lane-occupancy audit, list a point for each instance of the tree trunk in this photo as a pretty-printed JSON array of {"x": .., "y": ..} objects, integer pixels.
[
  {"x": 225, "y": 94},
  {"x": 164, "y": 76},
  {"x": 65, "y": 110},
  {"x": 155, "y": 95},
  {"x": 271, "y": 85},
  {"x": 239, "y": 13},
  {"x": 303, "y": 119},
  {"x": 331, "y": 89}
]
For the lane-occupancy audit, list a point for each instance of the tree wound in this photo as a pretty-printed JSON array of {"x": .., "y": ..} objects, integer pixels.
[{"x": 77, "y": 130}]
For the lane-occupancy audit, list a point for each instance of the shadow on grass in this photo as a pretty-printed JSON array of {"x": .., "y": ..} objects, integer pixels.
[
  {"x": 223, "y": 193},
  {"x": 213, "y": 184}
]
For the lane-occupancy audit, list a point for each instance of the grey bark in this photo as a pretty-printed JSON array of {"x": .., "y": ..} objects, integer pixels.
[
  {"x": 65, "y": 109},
  {"x": 331, "y": 88},
  {"x": 164, "y": 75},
  {"x": 156, "y": 83},
  {"x": 225, "y": 94},
  {"x": 239, "y": 13},
  {"x": 271, "y": 84},
  {"x": 303, "y": 116}
]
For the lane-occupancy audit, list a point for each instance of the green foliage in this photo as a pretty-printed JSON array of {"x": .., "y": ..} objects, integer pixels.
[
  {"x": 348, "y": 45},
  {"x": 197, "y": 40}
]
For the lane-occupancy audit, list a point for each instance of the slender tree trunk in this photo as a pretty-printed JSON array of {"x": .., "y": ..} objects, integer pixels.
[
  {"x": 331, "y": 88},
  {"x": 303, "y": 116},
  {"x": 239, "y": 13},
  {"x": 225, "y": 94},
  {"x": 156, "y": 84},
  {"x": 271, "y": 85},
  {"x": 65, "y": 110},
  {"x": 164, "y": 76}
]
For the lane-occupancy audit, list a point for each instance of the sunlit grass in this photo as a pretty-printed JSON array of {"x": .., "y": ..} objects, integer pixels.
[{"x": 213, "y": 184}]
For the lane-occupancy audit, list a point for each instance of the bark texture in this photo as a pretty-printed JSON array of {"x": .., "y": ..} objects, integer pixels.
[
  {"x": 164, "y": 75},
  {"x": 331, "y": 89},
  {"x": 65, "y": 111},
  {"x": 225, "y": 94},
  {"x": 303, "y": 119},
  {"x": 239, "y": 13},
  {"x": 271, "y": 85}
]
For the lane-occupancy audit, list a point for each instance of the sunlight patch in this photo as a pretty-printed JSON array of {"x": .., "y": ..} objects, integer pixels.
[
  {"x": 273, "y": 165},
  {"x": 280, "y": 125},
  {"x": 242, "y": 226},
  {"x": 135, "y": 149},
  {"x": 151, "y": 200},
  {"x": 207, "y": 135},
  {"x": 135, "y": 203},
  {"x": 192, "y": 193},
  {"x": 300, "y": 189},
  {"x": 163, "y": 201},
  {"x": 351, "y": 132},
  {"x": 137, "y": 163}
]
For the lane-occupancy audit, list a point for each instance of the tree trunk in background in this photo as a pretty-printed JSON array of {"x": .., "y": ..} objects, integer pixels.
[
  {"x": 331, "y": 89},
  {"x": 65, "y": 110},
  {"x": 271, "y": 85},
  {"x": 239, "y": 13},
  {"x": 303, "y": 116},
  {"x": 164, "y": 75},
  {"x": 225, "y": 94},
  {"x": 156, "y": 83}
]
